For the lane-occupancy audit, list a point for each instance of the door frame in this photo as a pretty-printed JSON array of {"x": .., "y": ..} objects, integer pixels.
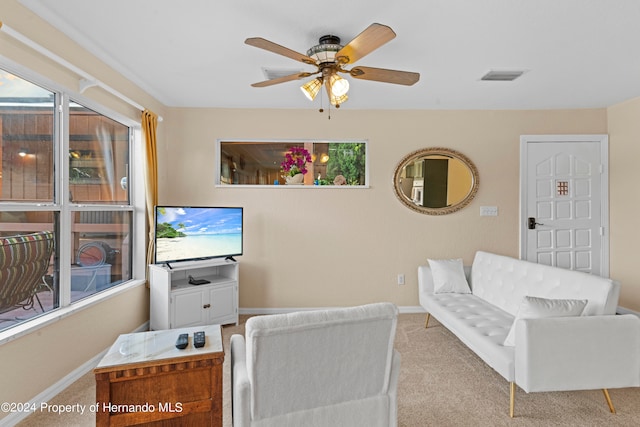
[{"x": 603, "y": 140}]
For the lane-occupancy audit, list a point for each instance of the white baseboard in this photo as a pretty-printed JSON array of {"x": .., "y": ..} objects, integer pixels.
[
  {"x": 60, "y": 385},
  {"x": 254, "y": 311}
]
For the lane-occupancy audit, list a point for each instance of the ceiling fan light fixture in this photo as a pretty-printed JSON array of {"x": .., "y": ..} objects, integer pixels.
[
  {"x": 326, "y": 50},
  {"x": 311, "y": 88},
  {"x": 339, "y": 100},
  {"x": 339, "y": 86},
  {"x": 329, "y": 58},
  {"x": 336, "y": 101}
]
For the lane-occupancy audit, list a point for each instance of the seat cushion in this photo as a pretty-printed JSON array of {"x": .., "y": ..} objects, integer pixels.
[{"x": 481, "y": 326}]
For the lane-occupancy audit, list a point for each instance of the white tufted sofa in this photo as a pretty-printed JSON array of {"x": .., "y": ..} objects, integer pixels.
[{"x": 598, "y": 350}]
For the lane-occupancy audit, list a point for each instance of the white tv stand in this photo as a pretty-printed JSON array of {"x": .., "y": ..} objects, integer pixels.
[{"x": 174, "y": 303}]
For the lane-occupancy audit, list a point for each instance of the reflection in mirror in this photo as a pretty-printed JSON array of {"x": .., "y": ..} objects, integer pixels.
[
  {"x": 435, "y": 181},
  {"x": 308, "y": 163}
]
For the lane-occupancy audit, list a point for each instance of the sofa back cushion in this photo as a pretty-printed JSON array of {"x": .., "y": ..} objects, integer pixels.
[
  {"x": 304, "y": 360},
  {"x": 505, "y": 281}
]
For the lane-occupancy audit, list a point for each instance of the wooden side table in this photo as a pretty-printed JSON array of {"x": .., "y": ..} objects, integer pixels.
[{"x": 144, "y": 379}]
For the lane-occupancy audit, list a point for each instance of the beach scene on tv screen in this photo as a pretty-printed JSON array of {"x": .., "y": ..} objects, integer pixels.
[{"x": 191, "y": 233}]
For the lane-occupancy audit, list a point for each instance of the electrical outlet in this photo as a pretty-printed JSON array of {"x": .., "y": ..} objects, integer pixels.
[{"x": 400, "y": 279}]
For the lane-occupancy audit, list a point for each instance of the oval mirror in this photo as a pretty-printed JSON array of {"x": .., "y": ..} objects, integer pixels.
[{"x": 435, "y": 181}]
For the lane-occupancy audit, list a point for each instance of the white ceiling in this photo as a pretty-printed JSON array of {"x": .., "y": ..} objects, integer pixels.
[{"x": 191, "y": 53}]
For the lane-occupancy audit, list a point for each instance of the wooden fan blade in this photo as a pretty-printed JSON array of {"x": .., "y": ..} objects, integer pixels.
[
  {"x": 280, "y": 50},
  {"x": 406, "y": 78},
  {"x": 374, "y": 36},
  {"x": 283, "y": 79}
]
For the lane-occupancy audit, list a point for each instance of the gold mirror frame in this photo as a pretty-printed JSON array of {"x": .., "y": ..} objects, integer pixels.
[{"x": 436, "y": 151}]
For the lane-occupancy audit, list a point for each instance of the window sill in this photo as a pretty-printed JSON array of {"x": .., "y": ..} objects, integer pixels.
[{"x": 53, "y": 316}]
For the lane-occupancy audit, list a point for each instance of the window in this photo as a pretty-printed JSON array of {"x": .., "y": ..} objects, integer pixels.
[
  {"x": 64, "y": 168},
  {"x": 322, "y": 163},
  {"x": 98, "y": 157}
]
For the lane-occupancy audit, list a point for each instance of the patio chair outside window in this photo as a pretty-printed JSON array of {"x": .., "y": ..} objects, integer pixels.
[{"x": 24, "y": 260}]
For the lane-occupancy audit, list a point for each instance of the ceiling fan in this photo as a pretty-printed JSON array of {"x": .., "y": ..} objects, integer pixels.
[{"x": 330, "y": 58}]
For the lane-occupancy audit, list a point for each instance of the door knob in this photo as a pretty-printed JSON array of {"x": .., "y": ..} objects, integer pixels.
[{"x": 533, "y": 223}]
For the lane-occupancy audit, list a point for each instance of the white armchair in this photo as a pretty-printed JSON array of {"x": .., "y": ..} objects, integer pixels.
[{"x": 321, "y": 368}]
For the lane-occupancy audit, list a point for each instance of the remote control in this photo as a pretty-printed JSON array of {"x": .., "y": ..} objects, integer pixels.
[
  {"x": 183, "y": 341},
  {"x": 194, "y": 281},
  {"x": 198, "y": 339}
]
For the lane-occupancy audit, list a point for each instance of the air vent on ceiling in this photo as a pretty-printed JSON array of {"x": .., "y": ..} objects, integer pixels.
[
  {"x": 502, "y": 76},
  {"x": 274, "y": 73}
]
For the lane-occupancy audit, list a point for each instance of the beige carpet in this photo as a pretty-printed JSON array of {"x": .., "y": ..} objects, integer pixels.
[{"x": 442, "y": 384}]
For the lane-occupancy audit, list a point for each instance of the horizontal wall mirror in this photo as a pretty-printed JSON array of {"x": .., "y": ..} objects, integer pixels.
[
  {"x": 292, "y": 163},
  {"x": 435, "y": 181}
]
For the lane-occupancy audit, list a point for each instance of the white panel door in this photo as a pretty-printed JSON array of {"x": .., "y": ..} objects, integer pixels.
[{"x": 562, "y": 213}]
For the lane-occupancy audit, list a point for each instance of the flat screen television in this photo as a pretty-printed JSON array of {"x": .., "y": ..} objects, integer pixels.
[{"x": 195, "y": 233}]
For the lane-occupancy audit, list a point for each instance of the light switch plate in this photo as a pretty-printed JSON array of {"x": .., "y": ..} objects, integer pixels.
[{"x": 488, "y": 211}]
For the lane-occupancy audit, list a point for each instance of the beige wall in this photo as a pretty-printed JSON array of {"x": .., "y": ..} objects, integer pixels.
[
  {"x": 320, "y": 247},
  {"x": 624, "y": 152}
]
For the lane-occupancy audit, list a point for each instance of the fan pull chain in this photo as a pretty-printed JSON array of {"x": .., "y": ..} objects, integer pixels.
[{"x": 321, "y": 110}]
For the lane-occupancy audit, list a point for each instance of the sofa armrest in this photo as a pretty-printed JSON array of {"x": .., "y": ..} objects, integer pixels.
[
  {"x": 425, "y": 283},
  {"x": 240, "y": 385},
  {"x": 577, "y": 353}
]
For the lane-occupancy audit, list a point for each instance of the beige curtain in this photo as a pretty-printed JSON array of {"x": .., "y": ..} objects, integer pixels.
[{"x": 149, "y": 126}]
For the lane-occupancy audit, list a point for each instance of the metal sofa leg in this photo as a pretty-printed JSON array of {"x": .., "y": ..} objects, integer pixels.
[
  {"x": 606, "y": 396},
  {"x": 512, "y": 398},
  {"x": 426, "y": 323}
]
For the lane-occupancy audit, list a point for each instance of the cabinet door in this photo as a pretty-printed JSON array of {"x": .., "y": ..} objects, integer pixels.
[
  {"x": 223, "y": 304},
  {"x": 188, "y": 309}
]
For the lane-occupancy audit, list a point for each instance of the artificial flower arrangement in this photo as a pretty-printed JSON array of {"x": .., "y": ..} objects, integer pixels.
[{"x": 295, "y": 161}]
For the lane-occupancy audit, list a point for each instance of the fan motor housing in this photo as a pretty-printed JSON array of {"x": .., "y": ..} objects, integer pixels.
[
  {"x": 329, "y": 39},
  {"x": 325, "y": 51}
]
